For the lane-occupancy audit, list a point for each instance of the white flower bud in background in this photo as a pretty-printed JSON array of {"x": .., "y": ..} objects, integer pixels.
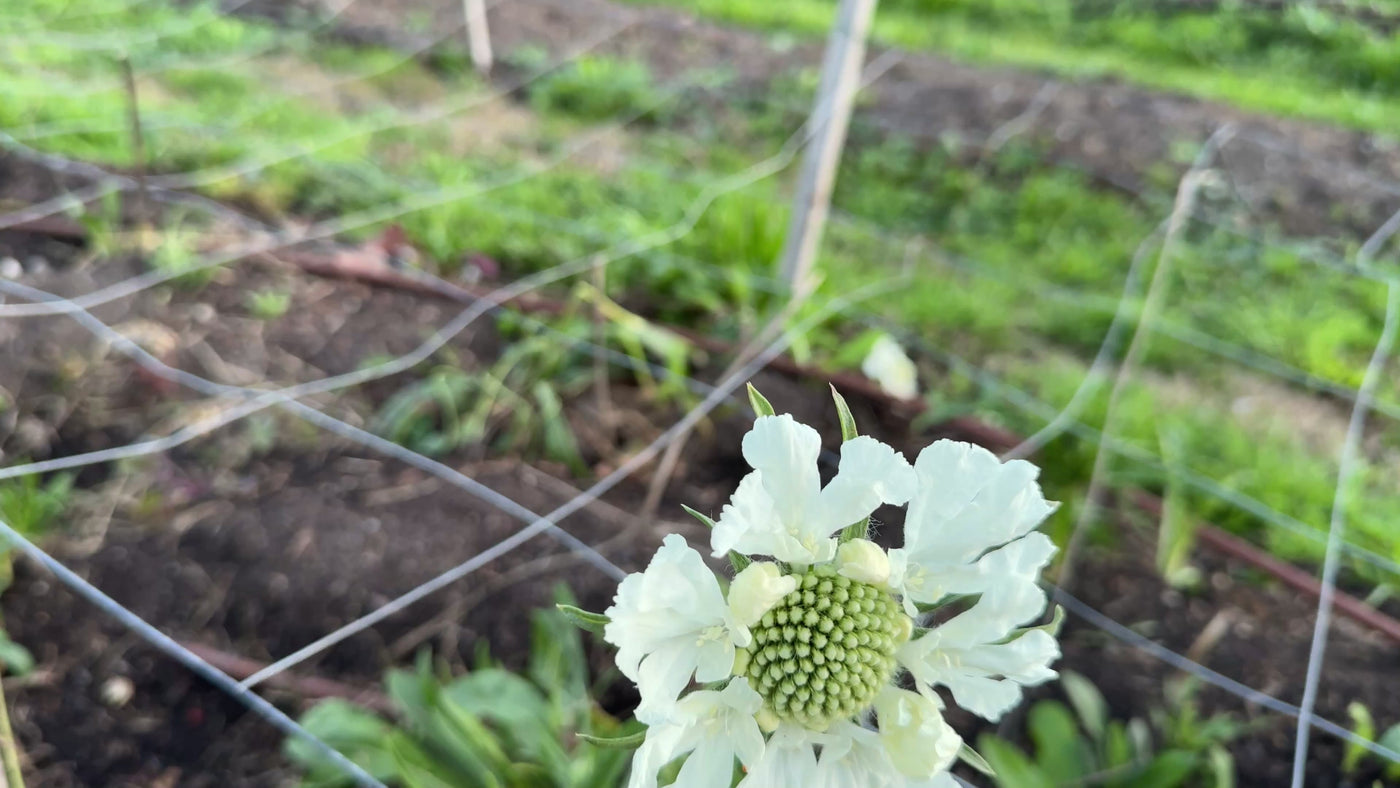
[{"x": 888, "y": 365}]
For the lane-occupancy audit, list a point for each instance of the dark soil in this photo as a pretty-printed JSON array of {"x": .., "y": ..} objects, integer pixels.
[{"x": 258, "y": 546}]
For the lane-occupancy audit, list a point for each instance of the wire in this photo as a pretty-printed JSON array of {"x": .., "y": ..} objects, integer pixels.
[
  {"x": 1336, "y": 529},
  {"x": 1242, "y": 691},
  {"x": 184, "y": 656}
]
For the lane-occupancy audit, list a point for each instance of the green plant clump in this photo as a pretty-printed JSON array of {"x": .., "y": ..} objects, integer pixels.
[
  {"x": 1080, "y": 744},
  {"x": 491, "y": 727}
]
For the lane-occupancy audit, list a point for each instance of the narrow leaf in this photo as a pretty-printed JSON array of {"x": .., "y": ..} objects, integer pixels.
[
  {"x": 593, "y": 622},
  {"x": 701, "y": 517},
  {"x": 619, "y": 743},
  {"x": 761, "y": 406},
  {"x": 974, "y": 759},
  {"x": 1364, "y": 726},
  {"x": 843, "y": 412},
  {"x": 739, "y": 561},
  {"x": 1087, "y": 701}
]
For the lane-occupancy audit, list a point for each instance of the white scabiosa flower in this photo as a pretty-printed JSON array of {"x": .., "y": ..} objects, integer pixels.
[
  {"x": 782, "y": 510},
  {"x": 888, "y": 365},
  {"x": 807, "y": 657},
  {"x": 969, "y": 525},
  {"x": 672, "y": 622},
  {"x": 714, "y": 728}
]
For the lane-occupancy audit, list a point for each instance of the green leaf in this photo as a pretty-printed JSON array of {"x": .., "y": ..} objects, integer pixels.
[
  {"x": 16, "y": 658},
  {"x": 843, "y": 413},
  {"x": 359, "y": 734},
  {"x": 558, "y": 663},
  {"x": 559, "y": 441},
  {"x": 1168, "y": 770},
  {"x": 760, "y": 404},
  {"x": 593, "y": 622},
  {"x": 1222, "y": 766},
  {"x": 739, "y": 561},
  {"x": 1363, "y": 725},
  {"x": 861, "y": 528},
  {"x": 857, "y": 530},
  {"x": 1013, "y": 768},
  {"x": 1141, "y": 737},
  {"x": 701, "y": 517},
  {"x": 1087, "y": 701},
  {"x": 1117, "y": 750},
  {"x": 974, "y": 759},
  {"x": 1391, "y": 741},
  {"x": 1176, "y": 534},
  {"x": 1060, "y": 751},
  {"x": 617, "y": 743}
]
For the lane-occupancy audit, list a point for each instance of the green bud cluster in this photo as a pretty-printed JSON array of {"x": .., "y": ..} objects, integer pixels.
[{"x": 824, "y": 651}]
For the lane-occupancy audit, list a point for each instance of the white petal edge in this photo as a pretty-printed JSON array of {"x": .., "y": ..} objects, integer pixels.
[{"x": 870, "y": 474}]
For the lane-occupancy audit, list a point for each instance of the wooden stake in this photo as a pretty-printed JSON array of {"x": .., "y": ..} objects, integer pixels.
[
  {"x": 138, "y": 139},
  {"x": 478, "y": 34},
  {"x": 831, "y": 115}
]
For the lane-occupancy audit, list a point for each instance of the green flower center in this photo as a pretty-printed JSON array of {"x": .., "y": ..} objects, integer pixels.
[{"x": 824, "y": 651}]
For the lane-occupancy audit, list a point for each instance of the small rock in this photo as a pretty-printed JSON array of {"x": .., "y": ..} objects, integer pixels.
[
  {"x": 117, "y": 691},
  {"x": 202, "y": 314}
]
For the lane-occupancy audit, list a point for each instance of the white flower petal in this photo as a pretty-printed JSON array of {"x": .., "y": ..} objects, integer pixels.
[
  {"x": 748, "y": 523},
  {"x": 662, "y": 745},
  {"x": 870, "y": 473},
  {"x": 789, "y": 759},
  {"x": 1017, "y": 563},
  {"x": 940, "y": 780},
  {"x": 919, "y": 742},
  {"x": 668, "y": 621},
  {"x": 785, "y": 452},
  {"x": 756, "y": 590},
  {"x": 855, "y": 758},
  {"x": 863, "y": 561},
  {"x": 968, "y": 501},
  {"x": 966, "y": 654},
  {"x": 715, "y": 727},
  {"x": 662, "y": 676}
]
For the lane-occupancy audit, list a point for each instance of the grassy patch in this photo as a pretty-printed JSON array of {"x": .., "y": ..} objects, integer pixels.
[
  {"x": 1304, "y": 61},
  {"x": 1015, "y": 263}
]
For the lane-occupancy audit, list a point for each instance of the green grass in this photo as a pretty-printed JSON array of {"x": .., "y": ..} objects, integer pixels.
[
  {"x": 1304, "y": 62},
  {"x": 1030, "y": 270}
]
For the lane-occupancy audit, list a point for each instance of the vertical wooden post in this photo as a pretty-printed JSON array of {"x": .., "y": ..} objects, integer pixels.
[
  {"x": 138, "y": 139},
  {"x": 478, "y": 34},
  {"x": 831, "y": 115}
]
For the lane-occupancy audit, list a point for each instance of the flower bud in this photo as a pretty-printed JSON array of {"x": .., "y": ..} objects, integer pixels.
[
  {"x": 863, "y": 561},
  {"x": 756, "y": 589}
]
